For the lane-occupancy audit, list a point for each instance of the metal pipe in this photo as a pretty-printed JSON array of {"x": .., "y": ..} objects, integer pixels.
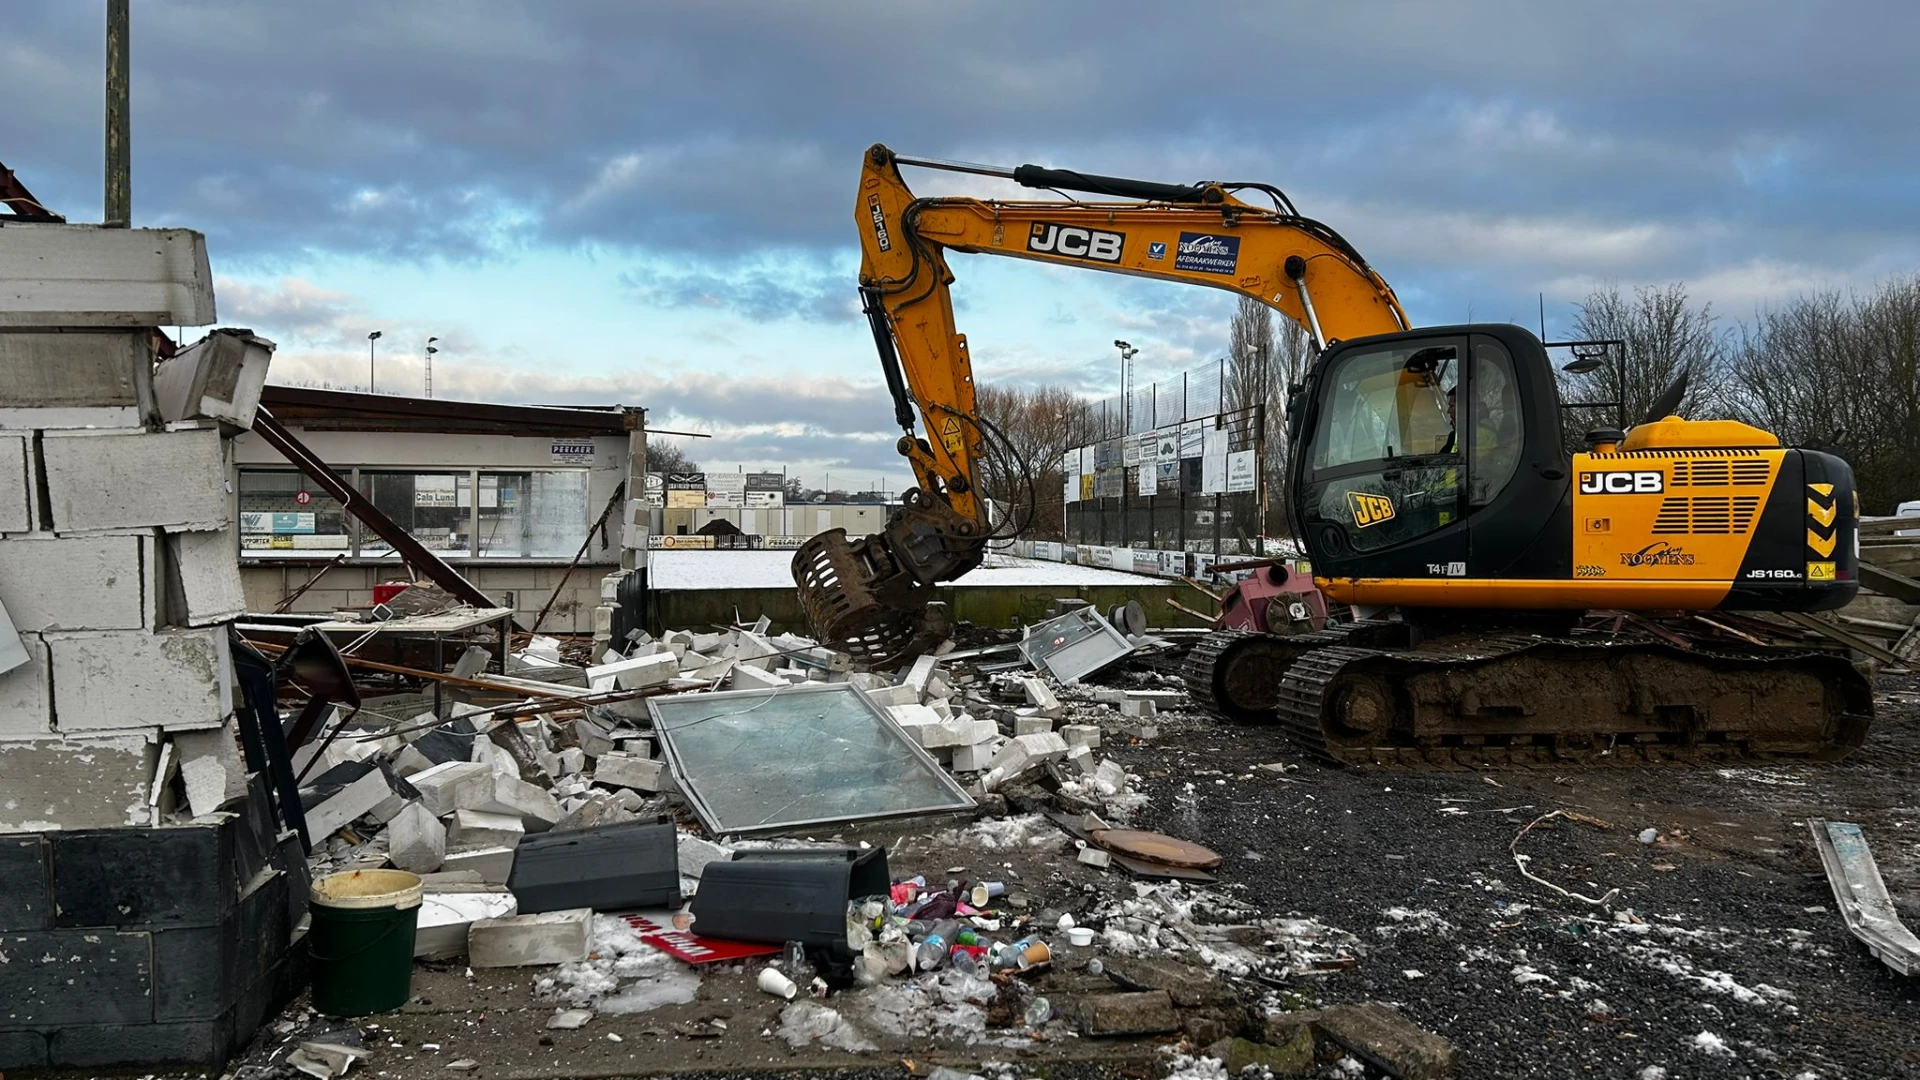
[
  {"x": 119, "y": 196},
  {"x": 1296, "y": 268},
  {"x": 956, "y": 166}
]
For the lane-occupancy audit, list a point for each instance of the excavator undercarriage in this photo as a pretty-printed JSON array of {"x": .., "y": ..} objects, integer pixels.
[{"x": 1364, "y": 694}]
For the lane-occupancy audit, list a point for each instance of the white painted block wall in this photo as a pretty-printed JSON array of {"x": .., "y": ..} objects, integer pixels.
[
  {"x": 109, "y": 480},
  {"x": 121, "y": 680}
]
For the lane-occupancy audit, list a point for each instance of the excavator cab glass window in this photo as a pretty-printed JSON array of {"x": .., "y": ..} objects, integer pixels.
[
  {"x": 1495, "y": 435},
  {"x": 1388, "y": 404}
]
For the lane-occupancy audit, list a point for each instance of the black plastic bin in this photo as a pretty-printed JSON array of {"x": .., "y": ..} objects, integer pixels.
[
  {"x": 781, "y": 896},
  {"x": 607, "y": 868}
]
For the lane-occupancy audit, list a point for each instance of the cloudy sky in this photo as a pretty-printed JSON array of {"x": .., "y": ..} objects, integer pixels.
[{"x": 651, "y": 202}]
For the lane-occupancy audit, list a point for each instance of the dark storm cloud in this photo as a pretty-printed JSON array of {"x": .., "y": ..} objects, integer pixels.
[{"x": 1518, "y": 141}]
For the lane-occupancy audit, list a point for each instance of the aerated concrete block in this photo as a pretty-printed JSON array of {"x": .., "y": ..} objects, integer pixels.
[
  {"x": 913, "y": 716},
  {"x": 959, "y": 731},
  {"x": 1040, "y": 696},
  {"x": 533, "y": 804},
  {"x": 79, "y": 275},
  {"x": 553, "y": 937},
  {"x": 128, "y": 480},
  {"x": 16, "y": 508},
  {"x": 1087, "y": 735},
  {"x": 975, "y": 758},
  {"x": 494, "y": 864},
  {"x": 26, "y": 695},
  {"x": 749, "y": 677},
  {"x": 416, "y": 841},
  {"x": 471, "y": 829},
  {"x": 84, "y": 782},
  {"x": 629, "y": 771},
  {"x": 80, "y": 582},
  {"x": 889, "y": 696},
  {"x": 1023, "y": 752},
  {"x": 326, "y": 818},
  {"x": 218, "y": 377},
  {"x": 446, "y": 916},
  {"x": 449, "y": 786},
  {"x": 1031, "y": 725},
  {"x": 1137, "y": 708},
  {"x": 921, "y": 673},
  {"x": 212, "y": 768},
  {"x": 118, "y": 680}
]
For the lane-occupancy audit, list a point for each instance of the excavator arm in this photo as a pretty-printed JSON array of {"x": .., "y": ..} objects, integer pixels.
[{"x": 870, "y": 596}]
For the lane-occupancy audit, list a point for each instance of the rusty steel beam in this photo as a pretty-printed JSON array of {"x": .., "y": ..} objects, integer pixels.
[
  {"x": 417, "y": 556},
  {"x": 15, "y": 197}
]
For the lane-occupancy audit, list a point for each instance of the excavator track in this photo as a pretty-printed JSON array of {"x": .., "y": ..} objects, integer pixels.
[
  {"x": 1528, "y": 702},
  {"x": 1236, "y": 674}
]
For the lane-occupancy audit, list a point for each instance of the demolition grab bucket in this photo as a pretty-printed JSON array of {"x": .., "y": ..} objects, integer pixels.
[{"x": 362, "y": 940}]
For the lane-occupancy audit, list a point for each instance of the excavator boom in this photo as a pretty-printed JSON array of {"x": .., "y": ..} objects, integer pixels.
[{"x": 867, "y": 596}]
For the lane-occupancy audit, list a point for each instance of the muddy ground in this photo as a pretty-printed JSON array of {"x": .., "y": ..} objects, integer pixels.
[{"x": 1722, "y": 955}]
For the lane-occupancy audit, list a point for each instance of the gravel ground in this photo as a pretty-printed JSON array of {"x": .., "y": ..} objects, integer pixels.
[{"x": 1723, "y": 955}]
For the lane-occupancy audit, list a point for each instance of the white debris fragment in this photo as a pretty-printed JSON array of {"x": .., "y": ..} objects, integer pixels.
[
  {"x": 1648, "y": 836},
  {"x": 1711, "y": 1045}
]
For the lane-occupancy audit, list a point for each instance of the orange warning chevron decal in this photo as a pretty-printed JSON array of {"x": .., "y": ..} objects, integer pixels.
[
  {"x": 1823, "y": 489},
  {"x": 1821, "y": 544},
  {"x": 1822, "y": 514}
]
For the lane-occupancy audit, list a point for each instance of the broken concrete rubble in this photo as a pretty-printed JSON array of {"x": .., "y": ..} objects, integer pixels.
[{"x": 554, "y": 937}]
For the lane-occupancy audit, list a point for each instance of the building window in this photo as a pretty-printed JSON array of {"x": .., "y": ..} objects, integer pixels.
[
  {"x": 435, "y": 508},
  {"x": 532, "y": 515},
  {"x": 283, "y": 514}
]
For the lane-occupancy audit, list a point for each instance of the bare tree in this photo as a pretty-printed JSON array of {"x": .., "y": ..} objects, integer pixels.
[
  {"x": 1665, "y": 335},
  {"x": 1024, "y": 475},
  {"x": 1841, "y": 373},
  {"x": 1264, "y": 360},
  {"x": 666, "y": 457}
]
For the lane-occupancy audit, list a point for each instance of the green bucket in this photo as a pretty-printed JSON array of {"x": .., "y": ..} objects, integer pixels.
[{"x": 362, "y": 941}]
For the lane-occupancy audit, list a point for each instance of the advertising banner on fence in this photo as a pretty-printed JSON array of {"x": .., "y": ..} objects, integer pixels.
[
  {"x": 656, "y": 489},
  {"x": 1213, "y": 461},
  {"x": 686, "y": 490},
  {"x": 1148, "y": 478},
  {"x": 1070, "y": 475},
  {"x": 1192, "y": 437},
  {"x": 1242, "y": 471},
  {"x": 766, "y": 489},
  {"x": 726, "y": 489}
]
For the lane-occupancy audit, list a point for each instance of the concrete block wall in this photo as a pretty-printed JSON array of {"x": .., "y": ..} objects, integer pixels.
[
  {"x": 136, "y": 928},
  {"x": 151, "y": 946}
]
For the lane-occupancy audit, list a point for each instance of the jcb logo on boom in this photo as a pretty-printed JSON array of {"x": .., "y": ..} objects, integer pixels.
[
  {"x": 1075, "y": 242},
  {"x": 1369, "y": 509},
  {"x": 1622, "y": 483}
]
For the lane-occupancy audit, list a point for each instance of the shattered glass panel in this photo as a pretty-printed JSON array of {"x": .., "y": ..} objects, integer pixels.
[{"x": 763, "y": 760}]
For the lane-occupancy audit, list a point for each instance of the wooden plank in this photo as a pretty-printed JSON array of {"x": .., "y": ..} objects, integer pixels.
[
  {"x": 1845, "y": 637},
  {"x": 86, "y": 275},
  {"x": 1899, "y": 586}
]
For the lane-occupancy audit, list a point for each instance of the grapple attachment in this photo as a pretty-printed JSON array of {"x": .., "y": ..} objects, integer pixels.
[{"x": 860, "y": 599}]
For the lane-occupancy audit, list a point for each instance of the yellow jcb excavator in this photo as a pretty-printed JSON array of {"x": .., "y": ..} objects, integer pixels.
[{"x": 1431, "y": 490}]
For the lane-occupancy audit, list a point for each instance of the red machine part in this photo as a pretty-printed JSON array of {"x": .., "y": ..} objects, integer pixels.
[{"x": 1273, "y": 600}]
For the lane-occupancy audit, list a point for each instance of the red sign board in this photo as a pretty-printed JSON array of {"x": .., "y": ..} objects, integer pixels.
[
  {"x": 303, "y": 498},
  {"x": 691, "y": 947}
]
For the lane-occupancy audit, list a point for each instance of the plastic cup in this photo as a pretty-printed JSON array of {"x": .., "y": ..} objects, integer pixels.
[
  {"x": 1034, "y": 955},
  {"x": 1080, "y": 936},
  {"x": 774, "y": 982},
  {"x": 986, "y": 891}
]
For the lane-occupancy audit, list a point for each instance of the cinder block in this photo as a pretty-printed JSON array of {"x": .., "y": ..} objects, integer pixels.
[
  {"x": 81, "y": 275},
  {"x": 26, "y": 698},
  {"x": 16, "y": 480},
  {"x": 92, "y": 976},
  {"x": 445, "y": 917},
  {"x": 1031, "y": 725},
  {"x": 205, "y": 1043},
  {"x": 478, "y": 829},
  {"x": 212, "y": 768},
  {"x": 202, "y": 576},
  {"x": 218, "y": 377},
  {"x": 1040, "y": 695},
  {"x": 494, "y": 864},
  {"x": 145, "y": 878},
  {"x": 451, "y": 785},
  {"x": 749, "y": 677},
  {"x": 912, "y": 716},
  {"x": 357, "y": 798},
  {"x": 1133, "y": 707},
  {"x": 553, "y": 937},
  {"x": 416, "y": 841},
  {"x": 958, "y": 731},
  {"x": 889, "y": 696},
  {"x": 531, "y": 803},
  {"x": 90, "y": 782},
  {"x": 637, "y": 673},
  {"x": 78, "y": 583},
  {"x": 975, "y": 758},
  {"x": 26, "y": 884},
  {"x": 630, "y": 771},
  {"x": 116, "y": 680},
  {"x": 127, "y": 480},
  {"x": 592, "y": 739},
  {"x": 54, "y": 378},
  {"x": 1087, "y": 735},
  {"x": 921, "y": 673},
  {"x": 1023, "y": 752}
]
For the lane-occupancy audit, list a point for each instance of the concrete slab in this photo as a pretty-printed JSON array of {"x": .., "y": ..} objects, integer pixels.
[
  {"x": 552, "y": 937},
  {"x": 469, "y": 829},
  {"x": 494, "y": 864}
]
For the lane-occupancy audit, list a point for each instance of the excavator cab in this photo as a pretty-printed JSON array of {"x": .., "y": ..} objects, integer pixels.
[{"x": 1410, "y": 452}]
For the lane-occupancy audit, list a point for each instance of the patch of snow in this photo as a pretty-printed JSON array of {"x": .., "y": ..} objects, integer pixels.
[
  {"x": 1413, "y": 920},
  {"x": 1712, "y": 1045},
  {"x": 1003, "y": 834},
  {"x": 804, "y": 1022},
  {"x": 1197, "y": 1068},
  {"x": 1525, "y": 974},
  {"x": 1652, "y": 1072}
]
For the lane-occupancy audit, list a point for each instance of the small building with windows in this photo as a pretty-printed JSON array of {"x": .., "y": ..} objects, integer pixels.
[{"x": 507, "y": 494}]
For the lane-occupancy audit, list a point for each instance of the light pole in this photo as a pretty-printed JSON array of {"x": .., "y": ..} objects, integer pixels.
[
  {"x": 371, "y": 338},
  {"x": 430, "y": 351},
  {"x": 1127, "y": 353}
]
